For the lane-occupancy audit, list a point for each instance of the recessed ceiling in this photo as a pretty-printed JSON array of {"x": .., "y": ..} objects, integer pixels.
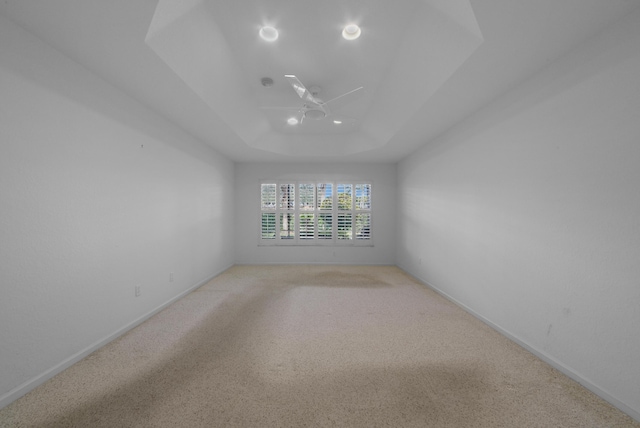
[
  {"x": 424, "y": 64},
  {"x": 213, "y": 48}
]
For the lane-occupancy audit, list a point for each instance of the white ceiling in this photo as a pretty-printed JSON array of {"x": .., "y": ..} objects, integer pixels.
[{"x": 424, "y": 64}]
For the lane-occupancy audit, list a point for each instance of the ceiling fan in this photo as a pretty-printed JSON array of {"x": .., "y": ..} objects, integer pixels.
[{"x": 313, "y": 107}]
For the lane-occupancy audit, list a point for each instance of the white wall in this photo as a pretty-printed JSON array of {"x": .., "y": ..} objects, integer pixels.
[
  {"x": 248, "y": 176},
  {"x": 528, "y": 213},
  {"x": 97, "y": 194}
]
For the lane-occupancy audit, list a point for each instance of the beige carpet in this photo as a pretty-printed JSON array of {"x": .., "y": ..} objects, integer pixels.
[{"x": 312, "y": 346}]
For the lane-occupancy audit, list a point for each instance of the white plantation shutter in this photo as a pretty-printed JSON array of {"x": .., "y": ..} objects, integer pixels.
[
  {"x": 287, "y": 196},
  {"x": 325, "y": 211},
  {"x": 345, "y": 207},
  {"x": 268, "y": 207},
  {"x": 344, "y": 226},
  {"x": 268, "y": 196},
  {"x": 307, "y": 196},
  {"x": 362, "y": 205},
  {"x": 268, "y": 226},
  {"x": 325, "y": 196},
  {"x": 345, "y": 197},
  {"x": 363, "y": 197},
  {"x": 287, "y": 225},
  {"x": 287, "y": 206},
  {"x": 363, "y": 226},
  {"x": 307, "y": 226},
  {"x": 325, "y": 225},
  {"x": 315, "y": 213}
]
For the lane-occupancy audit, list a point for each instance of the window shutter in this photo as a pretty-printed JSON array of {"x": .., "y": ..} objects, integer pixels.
[
  {"x": 287, "y": 226},
  {"x": 287, "y": 196},
  {"x": 325, "y": 196},
  {"x": 268, "y": 226},
  {"x": 268, "y": 207},
  {"x": 307, "y": 226},
  {"x": 325, "y": 226},
  {"x": 363, "y": 196},
  {"x": 363, "y": 226},
  {"x": 363, "y": 211},
  {"x": 306, "y": 196},
  {"x": 344, "y": 226},
  {"x": 308, "y": 213},
  {"x": 345, "y": 197}
]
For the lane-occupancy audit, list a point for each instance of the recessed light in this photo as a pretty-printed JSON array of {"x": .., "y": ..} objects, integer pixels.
[
  {"x": 269, "y": 34},
  {"x": 292, "y": 121},
  {"x": 337, "y": 122},
  {"x": 351, "y": 32}
]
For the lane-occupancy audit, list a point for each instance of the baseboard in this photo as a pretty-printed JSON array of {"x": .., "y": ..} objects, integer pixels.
[
  {"x": 535, "y": 351},
  {"x": 33, "y": 383},
  {"x": 313, "y": 264}
]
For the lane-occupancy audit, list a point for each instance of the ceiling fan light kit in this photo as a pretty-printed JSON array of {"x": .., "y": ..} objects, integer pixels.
[
  {"x": 313, "y": 107},
  {"x": 315, "y": 114}
]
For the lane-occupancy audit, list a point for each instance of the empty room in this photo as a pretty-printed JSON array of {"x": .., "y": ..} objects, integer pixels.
[{"x": 419, "y": 213}]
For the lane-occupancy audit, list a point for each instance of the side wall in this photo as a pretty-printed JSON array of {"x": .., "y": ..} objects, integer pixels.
[
  {"x": 528, "y": 214},
  {"x": 248, "y": 176},
  {"x": 97, "y": 195}
]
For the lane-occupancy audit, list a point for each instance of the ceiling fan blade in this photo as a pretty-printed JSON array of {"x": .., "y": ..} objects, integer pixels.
[
  {"x": 346, "y": 97},
  {"x": 300, "y": 89}
]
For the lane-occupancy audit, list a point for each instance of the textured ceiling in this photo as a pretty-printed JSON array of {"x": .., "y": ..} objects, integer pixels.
[{"x": 424, "y": 65}]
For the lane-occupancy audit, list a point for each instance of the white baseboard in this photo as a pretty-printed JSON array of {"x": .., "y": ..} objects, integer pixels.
[
  {"x": 21, "y": 390},
  {"x": 312, "y": 263},
  {"x": 537, "y": 352}
]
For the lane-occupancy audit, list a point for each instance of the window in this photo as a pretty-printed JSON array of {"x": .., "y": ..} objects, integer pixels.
[{"x": 315, "y": 213}]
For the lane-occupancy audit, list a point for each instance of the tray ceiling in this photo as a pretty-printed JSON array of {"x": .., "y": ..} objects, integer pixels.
[{"x": 425, "y": 65}]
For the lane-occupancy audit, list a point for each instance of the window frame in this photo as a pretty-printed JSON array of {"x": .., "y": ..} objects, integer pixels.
[{"x": 299, "y": 210}]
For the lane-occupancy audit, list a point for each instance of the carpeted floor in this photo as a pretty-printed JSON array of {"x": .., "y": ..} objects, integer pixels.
[{"x": 312, "y": 346}]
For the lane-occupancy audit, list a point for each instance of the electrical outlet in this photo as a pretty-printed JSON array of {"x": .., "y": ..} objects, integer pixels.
[
  {"x": 137, "y": 290},
  {"x": 170, "y": 276}
]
